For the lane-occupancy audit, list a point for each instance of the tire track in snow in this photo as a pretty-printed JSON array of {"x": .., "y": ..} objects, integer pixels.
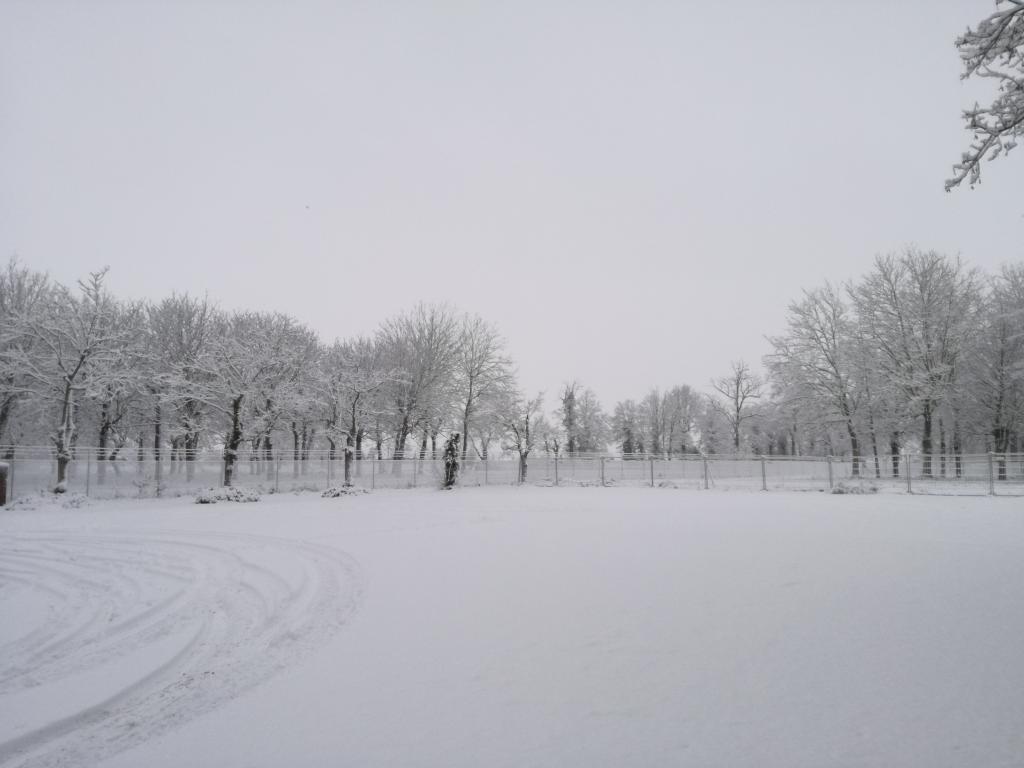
[{"x": 244, "y": 606}]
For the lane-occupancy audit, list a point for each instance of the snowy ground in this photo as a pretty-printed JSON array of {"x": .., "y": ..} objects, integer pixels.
[{"x": 516, "y": 626}]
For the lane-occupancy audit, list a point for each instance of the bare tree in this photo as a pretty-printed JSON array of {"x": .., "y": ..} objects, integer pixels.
[
  {"x": 815, "y": 355},
  {"x": 482, "y": 370},
  {"x": 737, "y": 390},
  {"x": 423, "y": 346},
  {"x": 524, "y": 424},
  {"x": 353, "y": 375}
]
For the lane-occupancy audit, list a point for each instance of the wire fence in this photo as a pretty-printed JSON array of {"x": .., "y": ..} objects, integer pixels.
[{"x": 34, "y": 470}]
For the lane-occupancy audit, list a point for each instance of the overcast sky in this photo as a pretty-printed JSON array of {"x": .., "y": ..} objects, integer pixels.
[{"x": 631, "y": 191}]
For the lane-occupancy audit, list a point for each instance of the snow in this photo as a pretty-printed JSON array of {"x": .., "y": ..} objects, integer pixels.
[{"x": 514, "y": 626}]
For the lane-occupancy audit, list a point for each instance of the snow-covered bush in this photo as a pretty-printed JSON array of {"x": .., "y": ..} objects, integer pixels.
[
  {"x": 337, "y": 491},
  {"x": 843, "y": 487},
  {"x": 43, "y": 499},
  {"x": 213, "y": 495}
]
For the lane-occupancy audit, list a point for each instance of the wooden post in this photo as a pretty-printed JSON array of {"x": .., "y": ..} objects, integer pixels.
[
  {"x": 828, "y": 459},
  {"x": 373, "y": 474},
  {"x": 764, "y": 475},
  {"x": 907, "y": 472},
  {"x": 277, "y": 473},
  {"x": 705, "y": 473},
  {"x": 556, "y": 469},
  {"x": 602, "y": 471},
  {"x": 652, "y": 471}
]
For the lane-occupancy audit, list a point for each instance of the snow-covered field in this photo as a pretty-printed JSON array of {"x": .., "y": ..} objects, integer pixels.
[{"x": 515, "y": 626}]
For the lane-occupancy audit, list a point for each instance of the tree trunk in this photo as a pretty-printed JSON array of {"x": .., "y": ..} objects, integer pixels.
[
  {"x": 465, "y": 431},
  {"x": 157, "y": 429},
  {"x": 400, "y": 439},
  {"x": 894, "y": 454},
  {"x": 191, "y": 448},
  {"x": 942, "y": 449},
  {"x": 64, "y": 436},
  {"x": 101, "y": 444},
  {"x": 233, "y": 441},
  {"x": 926, "y": 440},
  {"x": 1000, "y": 443},
  {"x": 854, "y": 447},
  {"x": 522, "y": 468},
  {"x": 958, "y": 449},
  {"x": 5, "y": 414},
  {"x": 348, "y": 459}
]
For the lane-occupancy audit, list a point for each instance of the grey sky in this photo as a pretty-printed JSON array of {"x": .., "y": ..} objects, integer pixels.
[{"x": 631, "y": 191}]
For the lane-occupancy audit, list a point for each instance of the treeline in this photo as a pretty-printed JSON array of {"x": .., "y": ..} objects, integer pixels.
[
  {"x": 79, "y": 367},
  {"x": 922, "y": 353}
]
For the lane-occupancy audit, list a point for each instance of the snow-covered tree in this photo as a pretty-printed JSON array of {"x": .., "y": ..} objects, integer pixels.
[
  {"x": 920, "y": 310},
  {"x": 353, "y": 374},
  {"x": 734, "y": 400},
  {"x": 994, "y": 374},
  {"x": 524, "y": 424},
  {"x": 582, "y": 419},
  {"x": 627, "y": 427},
  {"x": 816, "y": 357},
  {"x": 483, "y": 372},
  {"x": 423, "y": 346},
  {"x": 993, "y": 50},
  {"x": 23, "y": 293},
  {"x": 71, "y": 338},
  {"x": 253, "y": 358},
  {"x": 181, "y": 330}
]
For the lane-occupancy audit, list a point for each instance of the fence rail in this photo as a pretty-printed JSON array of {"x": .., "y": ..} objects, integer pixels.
[{"x": 33, "y": 470}]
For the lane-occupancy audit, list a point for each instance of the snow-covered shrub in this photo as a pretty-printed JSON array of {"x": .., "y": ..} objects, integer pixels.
[
  {"x": 213, "y": 495},
  {"x": 337, "y": 491},
  {"x": 844, "y": 487},
  {"x": 44, "y": 499}
]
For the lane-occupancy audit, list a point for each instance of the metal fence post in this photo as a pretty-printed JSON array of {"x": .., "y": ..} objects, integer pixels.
[
  {"x": 88, "y": 466},
  {"x": 556, "y": 469},
  {"x": 764, "y": 475},
  {"x": 705, "y": 472},
  {"x": 907, "y": 471},
  {"x": 991, "y": 476},
  {"x": 602, "y": 471},
  {"x": 277, "y": 473},
  {"x": 652, "y": 471},
  {"x": 373, "y": 474},
  {"x": 828, "y": 460}
]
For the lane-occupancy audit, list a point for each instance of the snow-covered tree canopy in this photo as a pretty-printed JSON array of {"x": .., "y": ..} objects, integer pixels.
[{"x": 994, "y": 49}]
